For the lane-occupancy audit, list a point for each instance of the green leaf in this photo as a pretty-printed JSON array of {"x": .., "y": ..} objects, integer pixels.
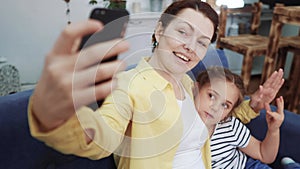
[{"x": 93, "y": 2}]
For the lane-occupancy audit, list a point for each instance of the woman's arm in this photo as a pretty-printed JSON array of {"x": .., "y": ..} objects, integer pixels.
[
  {"x": 69, "y": 76},
  {"x": 70, "y": 80}
]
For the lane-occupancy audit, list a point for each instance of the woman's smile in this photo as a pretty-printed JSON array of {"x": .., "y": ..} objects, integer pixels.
[{"x": 182, "y": 56}]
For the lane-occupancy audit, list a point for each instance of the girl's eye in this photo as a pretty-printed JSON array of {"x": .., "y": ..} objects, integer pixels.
[
  {"x": 211, "y": 96},
  {"x": 225, "y": 106}
]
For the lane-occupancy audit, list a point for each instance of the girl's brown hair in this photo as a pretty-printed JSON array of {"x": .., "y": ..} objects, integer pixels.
[{"x": 198, "y": 5}]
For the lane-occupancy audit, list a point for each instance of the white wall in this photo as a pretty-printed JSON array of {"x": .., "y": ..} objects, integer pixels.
[{"x": 29, "y": 29}]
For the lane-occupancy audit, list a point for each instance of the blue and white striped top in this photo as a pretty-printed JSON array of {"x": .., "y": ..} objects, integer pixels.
[{"x": 225, "y": 143}]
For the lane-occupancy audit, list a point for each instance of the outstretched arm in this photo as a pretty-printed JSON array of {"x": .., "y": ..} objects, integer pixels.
[
  {"x": 69, "y": 76},
  {"x": 266, "y": 151}
]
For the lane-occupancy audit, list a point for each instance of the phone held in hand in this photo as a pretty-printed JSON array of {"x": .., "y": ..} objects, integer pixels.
[{"x": 115, "y": 23}]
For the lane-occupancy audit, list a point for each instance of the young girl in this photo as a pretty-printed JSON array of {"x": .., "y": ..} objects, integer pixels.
[{"x": 220, "y": 91}]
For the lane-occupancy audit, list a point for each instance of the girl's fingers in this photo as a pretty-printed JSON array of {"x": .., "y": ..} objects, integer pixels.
[
  {"x": 278, "y": 84},
  {"x": 271, "y": 114},
  {"x": 269, "y": 81},
  {"x": 280, "y": 108},
  {"x": 280, "y": 105},
  {"x": 261, "y": 92},
  {"x": 278, "y": 80},
  {"x": 267, "y": 107},
  {"x": 275, "y": 80}
]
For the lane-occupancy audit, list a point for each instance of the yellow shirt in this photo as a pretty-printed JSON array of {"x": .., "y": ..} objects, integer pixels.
[{"x": 140, "y": 122}]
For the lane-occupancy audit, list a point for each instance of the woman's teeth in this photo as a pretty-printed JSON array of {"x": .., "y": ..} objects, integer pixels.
[{"x": 182, "y": 57}]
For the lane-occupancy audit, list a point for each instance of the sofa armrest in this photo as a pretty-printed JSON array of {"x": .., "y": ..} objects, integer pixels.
[
  {"x": 289, "y": 135},
  {"x": 20, "y": 150}
]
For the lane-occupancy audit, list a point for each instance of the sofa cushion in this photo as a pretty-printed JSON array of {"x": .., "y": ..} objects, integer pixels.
[
  {"x": 20, "y": 150},
  {"x": 289, "y": 135}
]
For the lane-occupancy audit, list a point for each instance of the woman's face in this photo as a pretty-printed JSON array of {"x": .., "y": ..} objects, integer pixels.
[
  {"x": 215, "y": 100},
  {"x": 184, "y": 42}
]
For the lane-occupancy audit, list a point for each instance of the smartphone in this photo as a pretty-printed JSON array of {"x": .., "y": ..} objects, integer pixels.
[{"x": 115, "y": 23}]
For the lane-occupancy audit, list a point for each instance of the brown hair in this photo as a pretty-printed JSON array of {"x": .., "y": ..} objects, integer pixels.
[
  {"x": 217, "y": 72},
  {"x": 198, "y": 5}
]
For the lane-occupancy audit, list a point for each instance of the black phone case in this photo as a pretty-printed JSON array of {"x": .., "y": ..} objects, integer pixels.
[{"x": 115, "y": 23}]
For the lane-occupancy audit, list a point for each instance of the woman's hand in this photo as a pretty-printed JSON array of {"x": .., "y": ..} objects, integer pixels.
[{"x": 69, "y": 76}]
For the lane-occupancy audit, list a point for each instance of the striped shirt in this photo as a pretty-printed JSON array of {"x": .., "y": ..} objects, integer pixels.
[{"x": 225, "y": 141}]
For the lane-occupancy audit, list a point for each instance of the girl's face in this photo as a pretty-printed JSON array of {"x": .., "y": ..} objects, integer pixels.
[
  {"x": 184, "y": 42},
  {"x": 215, "y": 100}
]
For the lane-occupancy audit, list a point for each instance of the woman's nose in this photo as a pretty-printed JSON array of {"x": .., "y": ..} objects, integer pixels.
[{"x": 190, "y": 45}]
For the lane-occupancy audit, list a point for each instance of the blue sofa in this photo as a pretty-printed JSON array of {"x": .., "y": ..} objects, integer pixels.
[
  {"x": 289, "y": 135},
  {"x": 20, "y": 150}
]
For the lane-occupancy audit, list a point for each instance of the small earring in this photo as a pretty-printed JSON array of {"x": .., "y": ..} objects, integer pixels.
[{"x": 155, "y": 44}]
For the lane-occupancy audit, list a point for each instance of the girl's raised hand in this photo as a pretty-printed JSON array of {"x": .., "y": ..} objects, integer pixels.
[{"x": 275, "y": 119}]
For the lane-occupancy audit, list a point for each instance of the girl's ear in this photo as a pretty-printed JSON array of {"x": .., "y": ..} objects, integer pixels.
[{"x": 158, "y": 31}]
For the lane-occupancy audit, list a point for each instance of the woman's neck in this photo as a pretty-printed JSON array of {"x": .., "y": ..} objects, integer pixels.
[
  {"x": 174, "y": 79},
  {"x": 164, "y": 72}
]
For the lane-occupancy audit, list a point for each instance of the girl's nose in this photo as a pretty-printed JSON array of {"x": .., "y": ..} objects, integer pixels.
[{"x": 214, "y": 107}]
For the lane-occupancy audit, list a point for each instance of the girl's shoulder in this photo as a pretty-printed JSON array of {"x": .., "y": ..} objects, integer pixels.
[{"x": 231, "y": 124}]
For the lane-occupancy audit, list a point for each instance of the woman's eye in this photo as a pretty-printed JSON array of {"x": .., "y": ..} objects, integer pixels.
[
  {"x": 202, "y": 43},
  {"x": 182, "y": 32}
]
